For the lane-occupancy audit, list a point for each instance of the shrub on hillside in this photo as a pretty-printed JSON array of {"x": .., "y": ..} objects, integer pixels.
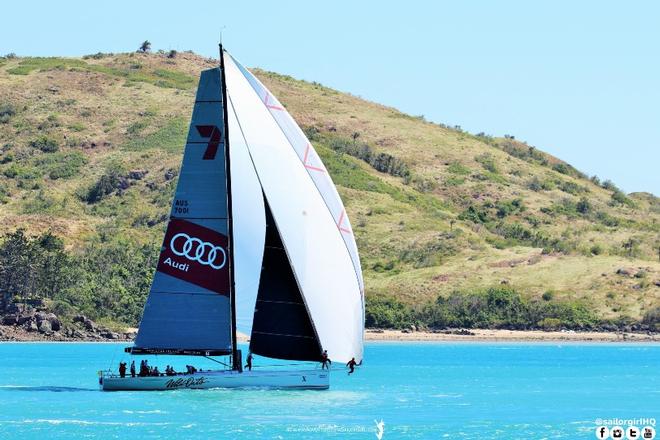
[
  {"x": 387, "y": 313},
  {"x": 569, "y": 170},
  {"x": 431, "y": 253},
  {"x": 110, "y": 181},
  {"x": 61, "y": 165},
  {"x": 583, "y": 206},
  {"x": 476, "y": 214},
  {"x": 45, "y": 144},
  {"x": 652, "y": 318},
  {"x": 503, "y": 307},
  {"x": 458, "y": 168},
  {"x": 572, "y": 187},
  {"x": 509, "y": 207},
  {"x": 535, "y": 184},
  {"x": 619, "y": 198},
  {"x": 383, "y": 162},
  {"x": 561, "y": 168},
  {"x": 95, "y": 56},
  {"x": 607, "y": 219},
  {"x": 52, "y": 121},
  {"x": 609, "y": 185},
  {"x": 550, "y": 324},
  {"x": 487, "y": 161},
  {"x": 6, "y": 112}
]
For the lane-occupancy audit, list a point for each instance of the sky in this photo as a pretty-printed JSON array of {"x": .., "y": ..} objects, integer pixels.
[{"x": 579, "y": 80}]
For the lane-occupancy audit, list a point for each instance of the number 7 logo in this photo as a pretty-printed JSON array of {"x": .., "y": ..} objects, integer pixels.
[{"x": 213, "y": 133}]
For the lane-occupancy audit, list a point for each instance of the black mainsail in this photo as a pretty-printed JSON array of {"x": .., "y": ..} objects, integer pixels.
[{"x": 282, "y": 328}]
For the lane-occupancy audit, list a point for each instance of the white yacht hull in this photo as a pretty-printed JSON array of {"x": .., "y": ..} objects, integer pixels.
[{"x": 291, "y": 379}]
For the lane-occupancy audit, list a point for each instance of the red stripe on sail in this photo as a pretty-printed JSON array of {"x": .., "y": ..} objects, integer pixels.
[
  {"x": 340, "y": 221},
  {"x": 308, "y": 166},
  {"x": 271, "y": 106}
]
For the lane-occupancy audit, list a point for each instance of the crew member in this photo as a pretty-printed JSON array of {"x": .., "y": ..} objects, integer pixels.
[
  {"x": 132, "y": 368},
  {"x": 351, "y": 364},
  {"x": 325, "y": 360},
  {"x": 249, "y": 361},
  {"x": 122, "y": 369}
]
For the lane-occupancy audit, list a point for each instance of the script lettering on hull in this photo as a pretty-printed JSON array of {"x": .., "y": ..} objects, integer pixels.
[{"x": 185, "y": 382}]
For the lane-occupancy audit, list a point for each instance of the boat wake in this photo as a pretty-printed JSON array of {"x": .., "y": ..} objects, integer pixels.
[
  {"x": 80, "y": 422},
  {"x": 48, "y": 388}
]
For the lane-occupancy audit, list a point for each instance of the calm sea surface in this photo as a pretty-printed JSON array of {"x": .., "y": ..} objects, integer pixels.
[{"x": 419, "y": 390}]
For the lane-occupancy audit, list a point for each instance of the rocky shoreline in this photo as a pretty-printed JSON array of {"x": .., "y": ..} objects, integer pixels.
[
  {"x": 501, "y": 335},
  {"x": 22, "y": 322},
  {"x": 25, "y": 323}
]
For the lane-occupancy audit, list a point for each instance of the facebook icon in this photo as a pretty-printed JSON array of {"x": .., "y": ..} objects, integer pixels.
[{"x": 602, "y": 432}]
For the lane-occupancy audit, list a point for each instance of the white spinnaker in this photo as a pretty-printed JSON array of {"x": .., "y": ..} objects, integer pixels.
[
  {"x": 249, "y": 227},
  {"x": 317, "y": 252},
  {"x": 312, "y": 163}
]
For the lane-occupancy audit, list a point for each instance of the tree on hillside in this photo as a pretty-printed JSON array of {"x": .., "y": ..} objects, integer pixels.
[
  {"x": 145, "y": 47},
  {"x": 32, "y": 267},
  {"x": 631, "y": 246}
]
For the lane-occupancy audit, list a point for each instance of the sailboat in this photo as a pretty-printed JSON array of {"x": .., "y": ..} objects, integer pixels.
[{"x": 258, "y": 239}]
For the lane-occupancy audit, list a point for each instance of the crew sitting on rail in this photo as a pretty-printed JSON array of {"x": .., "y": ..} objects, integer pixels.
[
  {"x": 190, "y": 369},
  {"x": 144, "y": 368}
]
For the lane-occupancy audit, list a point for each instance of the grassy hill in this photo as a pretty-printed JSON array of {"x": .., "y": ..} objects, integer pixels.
[{"x": 90, "y": 149}]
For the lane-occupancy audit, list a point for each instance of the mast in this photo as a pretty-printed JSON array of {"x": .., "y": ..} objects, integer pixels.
[{"x": 236, "y": 363}]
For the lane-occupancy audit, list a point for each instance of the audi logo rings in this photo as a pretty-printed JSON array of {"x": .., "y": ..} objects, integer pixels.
[{"x": 204, "y": 253}]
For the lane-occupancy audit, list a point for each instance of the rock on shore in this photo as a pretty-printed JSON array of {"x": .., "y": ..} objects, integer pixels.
[{"x": 22, "y": 322}]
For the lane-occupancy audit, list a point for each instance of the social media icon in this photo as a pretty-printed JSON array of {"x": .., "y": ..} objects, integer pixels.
[
  {"x": 617, "y": 432},
  {"x": 602, "y": 432},
  {"x": 632, "y": 433},
  {"x": 648, "y": 433}
]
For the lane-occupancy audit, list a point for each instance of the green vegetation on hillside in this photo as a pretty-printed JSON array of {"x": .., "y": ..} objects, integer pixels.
[{"x": 454, "y": 229}]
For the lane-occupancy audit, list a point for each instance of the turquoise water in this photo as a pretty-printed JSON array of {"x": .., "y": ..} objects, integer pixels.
[{"x": 419, "y": 390}]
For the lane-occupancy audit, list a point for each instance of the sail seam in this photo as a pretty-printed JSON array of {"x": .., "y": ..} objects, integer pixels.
[
  {"x": 280, "y": 302},
  {"x": 283, "y": 334}
]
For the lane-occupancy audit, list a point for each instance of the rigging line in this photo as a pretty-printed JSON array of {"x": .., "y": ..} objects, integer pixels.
[
  {"x": 308, "y": 174},
  {"x": 215, "y": 360},
  {"x": 278, "y": 365},
  {"x": 114, "y": 354}
]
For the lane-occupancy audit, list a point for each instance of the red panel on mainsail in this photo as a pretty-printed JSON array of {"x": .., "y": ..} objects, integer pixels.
[{"x": 197, "y": 255}]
